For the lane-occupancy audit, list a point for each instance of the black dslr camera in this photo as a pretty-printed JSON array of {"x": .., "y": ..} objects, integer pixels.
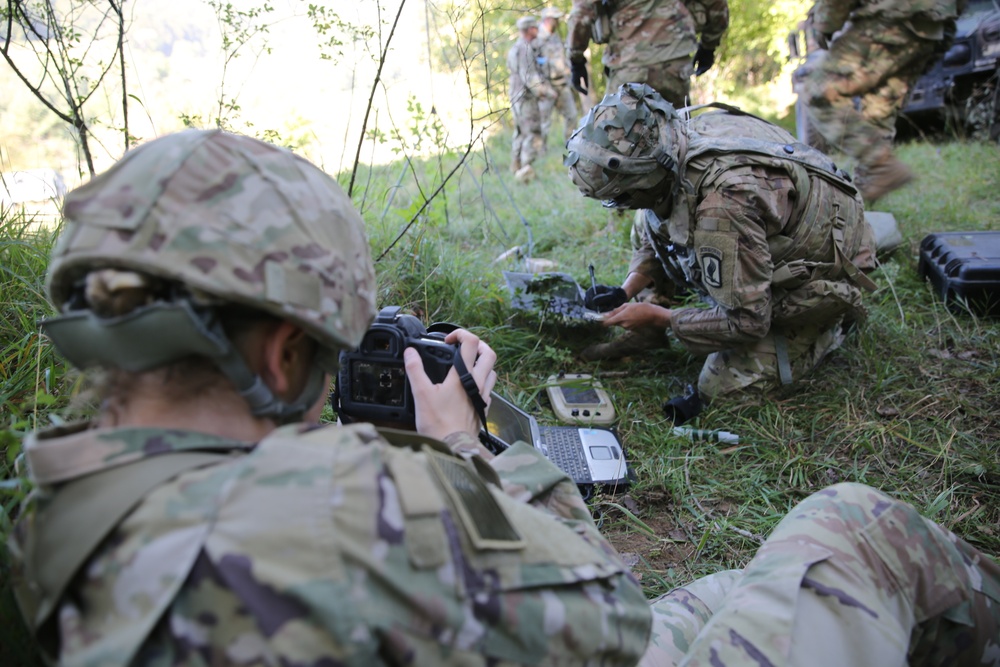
[{"x": 371, "y": 382}]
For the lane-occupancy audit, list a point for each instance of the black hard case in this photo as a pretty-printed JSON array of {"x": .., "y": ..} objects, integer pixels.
[{"x": 964, "y": 266}]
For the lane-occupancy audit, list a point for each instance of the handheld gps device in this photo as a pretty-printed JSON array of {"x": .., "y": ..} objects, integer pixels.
[{"x": 579, "y": 399}]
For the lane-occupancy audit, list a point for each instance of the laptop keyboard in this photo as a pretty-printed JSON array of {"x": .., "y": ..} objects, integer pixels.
[{"x": 565, "y": 449}]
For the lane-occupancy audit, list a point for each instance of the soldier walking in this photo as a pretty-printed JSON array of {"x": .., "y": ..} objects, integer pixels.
[
  {"x": 877, "y": 49},
  {"x": 648, "y": 41}
]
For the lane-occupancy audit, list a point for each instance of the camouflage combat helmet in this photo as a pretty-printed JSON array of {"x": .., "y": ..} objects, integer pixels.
[
  {"x": 527, "y": 22},
  {"x": 234, "y": 221},
  {"x": 551, "y": 13},
  {"x": 622, "y": 152}
]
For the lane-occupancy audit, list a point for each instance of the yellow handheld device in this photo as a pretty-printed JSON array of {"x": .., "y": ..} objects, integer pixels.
[{"x": 580, "y": 399}]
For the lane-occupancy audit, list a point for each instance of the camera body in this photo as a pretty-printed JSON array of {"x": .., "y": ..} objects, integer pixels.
[{"x": 371, "y": 382}]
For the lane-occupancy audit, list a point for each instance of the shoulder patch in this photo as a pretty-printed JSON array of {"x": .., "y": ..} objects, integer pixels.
[
  {"x": 485, "y": 521},
  {"x": 717, "y": 259},
  {"x": 711, "y": 267}
]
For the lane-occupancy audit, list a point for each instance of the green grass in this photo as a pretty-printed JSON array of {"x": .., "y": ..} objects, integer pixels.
[
  {"x": 31, "y": 381},
  {"x": 908, "y": 405}
]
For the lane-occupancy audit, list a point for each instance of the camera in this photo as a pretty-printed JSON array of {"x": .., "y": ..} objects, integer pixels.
[{"x": 371, "y": 381}]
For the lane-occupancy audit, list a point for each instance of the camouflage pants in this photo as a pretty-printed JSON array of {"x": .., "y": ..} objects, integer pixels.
[
  {"x": 528, "y": 143},
  {"x": 755, "y": 367},
  {"x": 671, "y": 79},
  {"x": 849, "y": 577},
  {"x": 565, "y": 104},
  {"x": 854, "y": 94}
]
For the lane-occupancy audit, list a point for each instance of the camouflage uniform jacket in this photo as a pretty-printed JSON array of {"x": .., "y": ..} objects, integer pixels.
[
  {"x": 527, "y": 79},
  {"x": 762, "y": 226},
  {"x": 319, "y": 545},
  {"x": 925, "y": 17},
  {"x": 553, "y": 53},
  {"x": 648, "y": 32}
]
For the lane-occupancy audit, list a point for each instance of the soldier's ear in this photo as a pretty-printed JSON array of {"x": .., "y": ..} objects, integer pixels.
[{"x": 284, "y": 357}]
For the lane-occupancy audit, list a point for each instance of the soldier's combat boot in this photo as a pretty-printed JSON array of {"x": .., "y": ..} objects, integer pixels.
[
  {"x": 879, "y": 178},
  {"x": 626, "y": 345}
]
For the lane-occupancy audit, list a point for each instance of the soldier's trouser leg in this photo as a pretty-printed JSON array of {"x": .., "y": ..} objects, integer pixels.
[
  {"x": 853, "y": 577},
  {"x": 876, "y": 62},
  {"x": 515, "y": 144},
  {"x": 756, "y": 367},
  {"x": 680, "y": 615},
  {"x": 529, "y": 127},
  {"x": 566, "y": 103},
  {"x": 545, "y": 109},
  {"x": 671, "y": 79}
]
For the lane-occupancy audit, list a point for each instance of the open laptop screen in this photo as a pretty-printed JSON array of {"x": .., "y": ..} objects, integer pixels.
[{"x": 507, "y": 423}]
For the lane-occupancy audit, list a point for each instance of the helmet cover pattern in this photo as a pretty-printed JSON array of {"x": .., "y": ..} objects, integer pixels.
[
  {"x": 620, "y": 152},
  {"x": 233, "y": 219}
]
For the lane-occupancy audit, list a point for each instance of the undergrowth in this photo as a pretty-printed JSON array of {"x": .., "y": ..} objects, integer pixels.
[{"x": 908, "y": 405}]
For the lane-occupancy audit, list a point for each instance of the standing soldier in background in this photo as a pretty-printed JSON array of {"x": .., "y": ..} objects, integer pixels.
[
  {"x": 528, "y": 87},
  {"x": 556, "y": 65},
  {"x": 648, "y": 41},
  {"x": 880, "y": 48}
]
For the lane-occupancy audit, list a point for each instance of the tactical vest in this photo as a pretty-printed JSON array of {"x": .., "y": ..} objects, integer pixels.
[{"x": 721, "y": 140}]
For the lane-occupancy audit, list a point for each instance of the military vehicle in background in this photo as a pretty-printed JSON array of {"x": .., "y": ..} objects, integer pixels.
[
  {"x": 961, "y": 91},
  {"x": 959, "y": 94}
]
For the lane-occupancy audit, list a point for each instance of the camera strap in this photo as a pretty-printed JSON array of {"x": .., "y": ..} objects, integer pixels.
[{"x": 471, "y": 388}]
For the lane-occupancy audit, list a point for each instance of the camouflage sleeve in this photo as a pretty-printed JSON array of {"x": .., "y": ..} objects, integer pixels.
[
  {"x": 578, "y": 25},
  {"x": 829, "y": 16},
  {"x": 528, "y": 476},
  {"x": 711, "y": 19},
  {"x": 853, "y": 577},
  {"x": 734, "y": 216}
]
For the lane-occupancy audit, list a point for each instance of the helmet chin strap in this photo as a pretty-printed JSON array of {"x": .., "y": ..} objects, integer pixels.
[
  {"x": 260, "y": 398},
  {"x": 164, "y": 332}
]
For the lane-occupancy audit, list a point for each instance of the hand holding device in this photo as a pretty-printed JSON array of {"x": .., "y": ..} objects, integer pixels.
[{"x": 604, "y": 298}]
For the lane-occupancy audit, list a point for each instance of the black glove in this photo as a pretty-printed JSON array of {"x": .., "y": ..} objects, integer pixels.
[
  {"x": 603, "y": 298},
  {"x": 578, "y": 75},
  {"x": 683, "y": 408},
  {"x": 703, "y": 60}
]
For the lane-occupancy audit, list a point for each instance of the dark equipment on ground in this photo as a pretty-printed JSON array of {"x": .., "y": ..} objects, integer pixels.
[
  {"x": 683, "y": 408},
  {"x": 964, "y": 268},
  {"x": 961, "y": 90}
]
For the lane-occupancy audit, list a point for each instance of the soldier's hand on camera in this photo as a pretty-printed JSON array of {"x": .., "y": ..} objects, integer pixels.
[
  {"x": 603, "y": 298},
  {"x": 578, "y": 77},
  {"x": 638, "y": 316},
  {"x": 443, "y": 409},
  {"x": 703, "y": 60}
]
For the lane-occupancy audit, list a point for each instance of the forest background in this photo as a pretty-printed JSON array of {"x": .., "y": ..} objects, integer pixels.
[{"x": 406, "y": 105}]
